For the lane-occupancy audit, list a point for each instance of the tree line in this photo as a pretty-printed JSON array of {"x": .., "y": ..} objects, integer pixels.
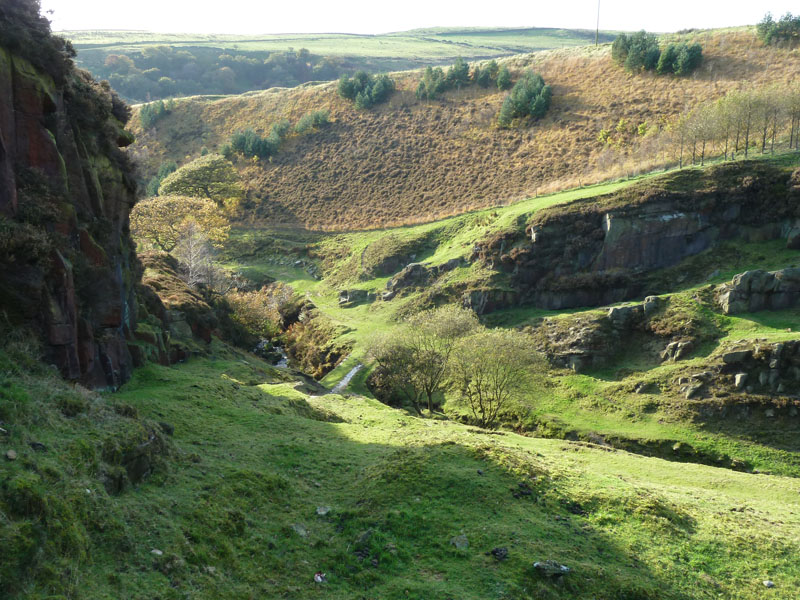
[
  {"x": 158, "y": 72},
  {"x": 641, "y": 51},
  {"x": 742, "y": 122},
  {"x": 435, "y": 81},
  {"x": 784, "y": 30}
]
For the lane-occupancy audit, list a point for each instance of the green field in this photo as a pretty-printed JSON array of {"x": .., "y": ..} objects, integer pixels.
[{"x": 419, "y": 45}]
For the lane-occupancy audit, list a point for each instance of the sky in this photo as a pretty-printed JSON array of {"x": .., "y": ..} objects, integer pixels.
[{"x": 369, "y": 16}]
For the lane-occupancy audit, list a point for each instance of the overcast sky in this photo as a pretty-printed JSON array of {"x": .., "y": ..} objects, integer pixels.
[{"x": 363, "y": 16}]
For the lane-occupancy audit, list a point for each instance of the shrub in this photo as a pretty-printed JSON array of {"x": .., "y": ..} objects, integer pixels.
[
  {"x": 640, "y": 52},
  {"x": 529, "y": 97},
  {"x": 312, "y": 120},
  {"x": 786, "y": 29},
  {"x": 151, "y": 113},
  {"x": 259, "y": 311},
  {"x": 364, "y": 90},
  {"x": 503, "y": 78}
]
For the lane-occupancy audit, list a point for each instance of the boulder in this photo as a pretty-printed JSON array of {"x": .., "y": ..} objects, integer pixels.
[
  {"x": 551, "y": 569},
  {"x": 353, "y": 297}
]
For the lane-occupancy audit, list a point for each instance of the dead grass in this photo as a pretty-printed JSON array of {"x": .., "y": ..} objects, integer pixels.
[{"x": 409, "y": 161}]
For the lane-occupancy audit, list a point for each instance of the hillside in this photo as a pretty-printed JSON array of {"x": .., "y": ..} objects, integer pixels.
[
  {"x": 246, "y": 421},
  {"x": 411, "y": 161},
  {"x": 226, "y": 476},
  {"x": 146, "y": 66}
]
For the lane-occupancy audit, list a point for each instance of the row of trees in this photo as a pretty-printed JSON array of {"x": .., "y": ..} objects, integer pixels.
[
  {"x": 366, "y": 90},
  {"x": 784, "y": 30},
  {"x": 250, "y": 144},
  {"x": 641, "y": 52},
  {"x": 435, "y": 81},
  {"x": 446, "y": 349},
  {"x": 151, "y": 113},
  {"x": 164, "y": 71},
  {"x": 741, "y": 122},
  {"x": 530, "y": 97}
]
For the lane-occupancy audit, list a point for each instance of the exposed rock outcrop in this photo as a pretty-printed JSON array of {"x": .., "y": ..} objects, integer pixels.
[
  {"x": 601, "y": 251},
  {"x": 417, "y": 275},
  {"x": 67, "y": 265},
  {"x": 752, "y": 291}
]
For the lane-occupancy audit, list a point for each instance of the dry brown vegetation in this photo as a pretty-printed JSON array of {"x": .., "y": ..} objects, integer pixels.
[{"x": 411, "y": 161}]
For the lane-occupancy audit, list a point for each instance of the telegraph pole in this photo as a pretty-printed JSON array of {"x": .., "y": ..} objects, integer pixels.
[{"x": 597, "y": 31}]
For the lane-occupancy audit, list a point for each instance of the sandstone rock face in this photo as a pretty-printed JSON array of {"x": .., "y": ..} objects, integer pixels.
[
  {"x": 752, "y": 291},
  {"x": 417, "y": 275},
  {"x": 66, "y": 191},
  {"x": 602, "y": 250}
]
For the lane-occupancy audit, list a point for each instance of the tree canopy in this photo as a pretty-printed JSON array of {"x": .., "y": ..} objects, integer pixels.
[
  {"x": 210, "y": 176},
  {"x": 162, "y": 221},
  {"x": 530, "y": 96}
]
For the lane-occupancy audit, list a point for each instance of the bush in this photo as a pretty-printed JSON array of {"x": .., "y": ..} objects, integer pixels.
[
  {"x": 312, "y": 120},
  {"x": 786, "y": 29},
  {"x": 503, "y": 79},
  {"x": 260, "y": 312},
  {"x": 529, "y": 97},
  {"x": 364, "y": 90},
  {"x": 640, "y": 52},
  {"x": 151, "y": 113}
]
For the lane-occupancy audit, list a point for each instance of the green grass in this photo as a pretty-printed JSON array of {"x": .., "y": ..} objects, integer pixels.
[
  {"x": 412, "y": 46},
  {"x": 252, "y": 458}
]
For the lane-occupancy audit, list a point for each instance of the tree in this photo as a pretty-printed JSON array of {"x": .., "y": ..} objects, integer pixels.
[
  {"x": 162, "y": 221},
  {"x": 619, "y": 49},
  {"x": 364, "y": 90},
  {"x": 458, "y": 74},
  {"x": 210, "y": 176},
  {"x": 687, "y": 58},
  {"x": 529, "y": 97},
  {"x": 195, "y": 255},
  {"x": 491, "y": 368},
  {"x": 414, "y": 361},
  {"x": 503, "y": 78}
]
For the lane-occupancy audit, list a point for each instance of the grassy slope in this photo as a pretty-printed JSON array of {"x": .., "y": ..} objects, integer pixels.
[
  {"x": 602, "y": 403},
  {"x": 410, "y": 161},
  {"x": 234, "y": 509}
]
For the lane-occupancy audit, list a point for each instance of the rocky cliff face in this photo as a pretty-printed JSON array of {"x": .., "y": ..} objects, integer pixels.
[
  {"x": 67, "y": 265},
  {"x": 601, "y": 251}
]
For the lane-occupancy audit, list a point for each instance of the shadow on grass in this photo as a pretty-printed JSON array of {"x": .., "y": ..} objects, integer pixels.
[{"x": 268, "y": 499}]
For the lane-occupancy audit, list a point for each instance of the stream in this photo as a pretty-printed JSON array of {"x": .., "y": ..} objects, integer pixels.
[{"x": 340, "y": 387}]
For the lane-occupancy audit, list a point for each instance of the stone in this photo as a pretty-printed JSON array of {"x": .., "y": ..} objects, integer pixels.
[
  {"x": 11, "y": 455},
  {"x": 651, "y": 305},
  {"x": 300, "y": 530},
  {"x": 353, "y": 297},
  {"x": 676, "y": 351},
  {"x": 460, "y": 542},
  {"x": 499, "y": 553},
  {"x": 768, "y": 584},
  {"x": 323, "y": 510},
  {"x": 551, "y": 569},
  {"x": 624, "y": 316},
  {"x": 156, "y": 552},
  {"x": 740, "y": 380},
  {"x": 693, "y": 391},
  {"x": 38, "y": 447},
  {"x": 736, "y": 356}
]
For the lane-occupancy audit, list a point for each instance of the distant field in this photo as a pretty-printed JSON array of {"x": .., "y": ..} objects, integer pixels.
[{"x": 438, "y": 44}]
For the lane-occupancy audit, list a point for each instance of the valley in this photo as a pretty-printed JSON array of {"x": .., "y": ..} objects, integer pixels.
[{"x": 382, "y": 345}]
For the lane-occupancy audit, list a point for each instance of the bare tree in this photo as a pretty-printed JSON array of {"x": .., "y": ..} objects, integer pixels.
[
  {"x": 492, "y": 368},
  {"x": 414, "y": 360}
]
